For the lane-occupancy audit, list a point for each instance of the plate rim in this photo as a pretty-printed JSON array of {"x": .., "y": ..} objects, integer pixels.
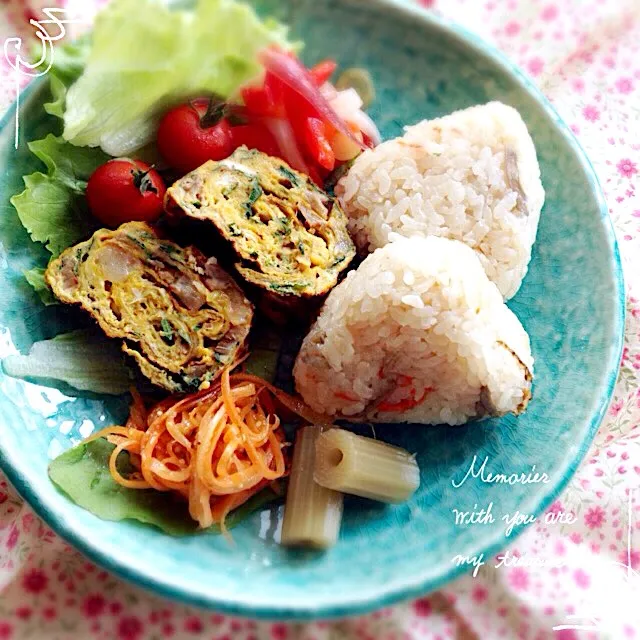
[{"x": 409, "y": 589}]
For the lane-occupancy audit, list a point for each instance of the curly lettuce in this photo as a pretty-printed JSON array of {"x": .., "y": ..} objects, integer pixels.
[
  {"x": 35, "y": 277},
  {"x": 146, "y": 58},
  {"x": 53, "y": 208},
  {"x": 83, "y": 360},
  {"x": 69, "y": 63},
  {"x": 82, "y": 473}
]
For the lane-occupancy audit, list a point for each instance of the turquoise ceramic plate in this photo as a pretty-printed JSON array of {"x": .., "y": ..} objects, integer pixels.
[{"x": 571, "y": 304}]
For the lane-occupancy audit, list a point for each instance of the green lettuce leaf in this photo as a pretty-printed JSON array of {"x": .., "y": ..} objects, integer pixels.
[
  {"x": 53, "y": 207},
  {"x": 68, "y": 65},
  {"x": 146, "y": 57},
  {"x": 35, "y": 277},
  {"x": 85, "y": 360},
  {"x": 52, "y": 213},
  {"x": 263, "y": 363},
  {"x": 82, "y": 473},
  {"x": 70, "y": 165}
]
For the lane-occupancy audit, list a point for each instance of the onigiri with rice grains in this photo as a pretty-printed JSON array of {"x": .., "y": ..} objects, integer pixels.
[
  {"x": 471, "y": 176},
  {"x": 417, "y": 333}
]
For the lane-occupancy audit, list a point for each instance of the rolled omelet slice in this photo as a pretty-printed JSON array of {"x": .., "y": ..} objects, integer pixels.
[
  {"x": 289, "y": 238},
  {"x": 178, "y": 314}
]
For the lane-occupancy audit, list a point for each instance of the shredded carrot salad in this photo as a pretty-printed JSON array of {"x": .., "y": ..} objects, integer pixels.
[{"x": 217, "y": 447}]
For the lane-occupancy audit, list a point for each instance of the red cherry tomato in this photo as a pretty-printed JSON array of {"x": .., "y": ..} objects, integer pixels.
[
  {"x": 186, "y": 142},
  {"x": 123, "y": 190}
]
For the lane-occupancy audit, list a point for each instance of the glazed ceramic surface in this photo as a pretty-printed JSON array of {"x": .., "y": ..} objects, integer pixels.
[{"x": 571, "y": 303}]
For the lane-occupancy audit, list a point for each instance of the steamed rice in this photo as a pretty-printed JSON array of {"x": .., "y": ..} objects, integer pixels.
[
  {"x": 417, "y": 334},
  {"x": 471, "y": 176}
]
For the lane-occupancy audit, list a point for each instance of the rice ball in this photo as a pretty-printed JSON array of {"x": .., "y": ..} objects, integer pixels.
[
  {"x": 471, "y": 176},
  {"x": 417, "y": 333}
]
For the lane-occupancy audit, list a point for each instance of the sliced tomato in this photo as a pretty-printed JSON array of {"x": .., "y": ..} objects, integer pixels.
[
  {"x": 255, "y": 135},
  {"x": 317, "y": 175},
  {"x": 297, "y": 113},
  {"x": 301, "y": 127},
  {"x": 265, "y": 101},
  {"x": 255, "y": 101},
  {"x": 275, "y": 89},
  {"x": 292, "y": 73}
]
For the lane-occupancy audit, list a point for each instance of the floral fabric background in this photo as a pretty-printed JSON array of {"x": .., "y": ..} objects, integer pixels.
[{"x": 585, "y": 55}]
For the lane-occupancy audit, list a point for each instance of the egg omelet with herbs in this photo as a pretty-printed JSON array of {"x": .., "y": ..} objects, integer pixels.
[
  {"x": 289, "y": 238},
  {"x": 179, "y": 315}
]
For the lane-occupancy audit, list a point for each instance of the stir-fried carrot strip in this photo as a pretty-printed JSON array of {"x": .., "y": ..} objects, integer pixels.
[
  {"x": 406, "y": 404},
  {"x": 130, "y": 483},
  {"x": 217, "y": 447}
]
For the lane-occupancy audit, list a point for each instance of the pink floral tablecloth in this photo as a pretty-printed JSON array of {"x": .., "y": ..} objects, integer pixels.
[{"x": 585, "y": 55}]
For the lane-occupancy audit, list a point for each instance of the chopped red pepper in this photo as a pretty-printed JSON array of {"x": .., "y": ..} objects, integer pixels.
[
  {"x": 322, "y": 71},
  {"x": 318, "y": 145}
]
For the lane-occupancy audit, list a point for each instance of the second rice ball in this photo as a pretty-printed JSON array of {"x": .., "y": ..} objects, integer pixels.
[
  {"x": 416, "y": 334},
  {"x": 471, "y": 176}
]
